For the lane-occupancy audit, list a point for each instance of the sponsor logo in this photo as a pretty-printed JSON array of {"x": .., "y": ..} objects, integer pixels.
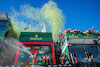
[
  {"x": 36, "y": 35},
  {"x": 35, "y": 38},
  {"x": 36, "y": 47}
]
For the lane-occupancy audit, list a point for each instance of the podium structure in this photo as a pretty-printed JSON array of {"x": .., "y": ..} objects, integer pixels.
[{"x": 35, "y": 42}]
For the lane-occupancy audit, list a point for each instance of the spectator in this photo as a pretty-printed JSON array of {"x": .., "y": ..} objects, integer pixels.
[
  {"x": 95, "y": 31},
  {"x": 87, "y": 31},
  {"x": 72, "y": 30},
  {"x": 74, "y": 57},
  {"x": 65, "y": 58},
  {"x": 65, "y": 31},
  {"x": 92, "y": 29},
  {"x": 89, "y": 57},
  {"x": 75, "y": 31},
  {"x": 86, "y": 58},
  {"x": 61, "y": 60},
  {"x": 79, "y": 31},
  {"x": 68, "y": 30},
  {"x": 92, "y": 58}
]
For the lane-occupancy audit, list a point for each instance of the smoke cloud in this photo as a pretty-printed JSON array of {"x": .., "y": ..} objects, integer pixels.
[{"x": 49, "y": 15}]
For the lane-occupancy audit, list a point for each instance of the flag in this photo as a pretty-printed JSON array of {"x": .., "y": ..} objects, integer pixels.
[
  {"x": 27, "y": 27},
  {"x": 44, "y": 29}
]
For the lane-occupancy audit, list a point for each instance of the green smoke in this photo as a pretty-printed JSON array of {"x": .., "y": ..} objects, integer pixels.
[
  {"x": 49, "y": 15},
  {"x": 54, "y": 17}
]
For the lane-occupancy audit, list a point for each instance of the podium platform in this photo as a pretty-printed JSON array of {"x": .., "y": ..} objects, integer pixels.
[{"x": 59, "y": 65}]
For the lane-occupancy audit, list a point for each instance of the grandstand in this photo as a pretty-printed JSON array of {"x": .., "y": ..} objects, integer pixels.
[
  {"x": 4, "y": 21},
  {"x": 80, "y": 48},
  {"x": 5, "y": 48}
]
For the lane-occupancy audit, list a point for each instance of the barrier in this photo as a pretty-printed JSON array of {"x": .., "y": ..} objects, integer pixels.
[{"x": 58, "y": 65}]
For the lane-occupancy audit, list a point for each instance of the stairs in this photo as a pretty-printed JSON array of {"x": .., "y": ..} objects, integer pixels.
[{"x": 57, "y": 55}]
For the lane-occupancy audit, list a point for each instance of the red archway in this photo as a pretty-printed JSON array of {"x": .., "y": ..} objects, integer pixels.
[{"x": 33, "y": 43}]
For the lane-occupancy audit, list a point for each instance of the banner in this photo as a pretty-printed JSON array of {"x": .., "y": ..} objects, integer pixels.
[
  {"x": 35, "y": 37},
  {"x": 72, "y": 35}
]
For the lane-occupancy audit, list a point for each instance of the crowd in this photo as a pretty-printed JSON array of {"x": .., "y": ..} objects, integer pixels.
[
  {"x": 74, "y": 57},
  {"x": 92, "y": 31},
  {"x": 64, "y": 59},
  {"x": 89, "y": 57}
]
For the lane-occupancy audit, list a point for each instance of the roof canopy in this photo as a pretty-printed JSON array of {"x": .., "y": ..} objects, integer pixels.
[
  {"x": 3, "y": 24},
  {"x": 3, "y": 16},
  {"x": 83, "y": 38}
]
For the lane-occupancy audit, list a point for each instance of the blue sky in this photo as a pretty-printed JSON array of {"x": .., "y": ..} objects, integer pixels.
[{"x": 79, "y": 14}]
